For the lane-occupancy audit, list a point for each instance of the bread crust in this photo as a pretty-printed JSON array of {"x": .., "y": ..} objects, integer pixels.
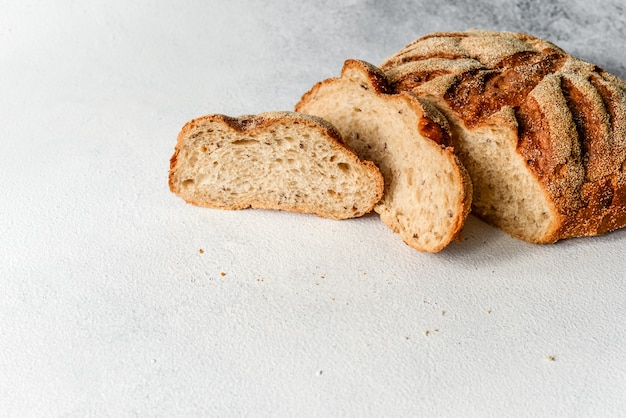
[
  {"x": 569, "y": 116},
  {"x": 241, "y": 127}
]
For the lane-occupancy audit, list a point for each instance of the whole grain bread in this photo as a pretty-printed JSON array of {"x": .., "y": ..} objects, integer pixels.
[
  {"x": 273, "y": 160},
  {"x": 427, "y": 193},
  {"x": 542, "y": 133}
]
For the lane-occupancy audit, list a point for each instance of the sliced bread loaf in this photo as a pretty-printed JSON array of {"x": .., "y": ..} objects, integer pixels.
[
  {"x": 273, "y": 160},
  {"x": 427, "y": 193},
  {"x": 542, "y": 134}
]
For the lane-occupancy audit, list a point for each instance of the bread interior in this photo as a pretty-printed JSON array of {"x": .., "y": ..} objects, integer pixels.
[
  {"x": 506, "y": 192},
  {"x": 423, "y": 187},
  {"x": 286, "y": 167}
]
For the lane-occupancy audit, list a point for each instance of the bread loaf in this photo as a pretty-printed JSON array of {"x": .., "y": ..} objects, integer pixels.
[
  {"x": 427, "y": 193},
  {"x": 542, "y": 133},
  {"x": 273, "y": 160}
]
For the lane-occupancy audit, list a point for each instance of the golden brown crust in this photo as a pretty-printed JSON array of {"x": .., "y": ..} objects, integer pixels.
[{"x": 571, "y": 115}]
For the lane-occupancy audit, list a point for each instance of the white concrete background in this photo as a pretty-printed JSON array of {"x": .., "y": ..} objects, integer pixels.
[{"x": 108, "y": 308}]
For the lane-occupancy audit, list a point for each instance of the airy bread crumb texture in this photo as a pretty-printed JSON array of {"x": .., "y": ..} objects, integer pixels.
[
  {"x": 427, "y": 191},
  {"x": 504, "y": 193},
  {"x": 274, "y": 160}
]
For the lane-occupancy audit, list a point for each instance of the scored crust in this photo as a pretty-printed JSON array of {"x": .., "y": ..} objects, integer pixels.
[
  {"x": 273, "y": 160},
  {"x": 542, "y": 133},
  {"x": 428, "y": 192}
]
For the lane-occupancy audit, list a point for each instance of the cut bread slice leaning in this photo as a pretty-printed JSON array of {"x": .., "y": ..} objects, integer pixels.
[
  {"x": 273, "y": 160},
  {"x": 427, "y": 194}
]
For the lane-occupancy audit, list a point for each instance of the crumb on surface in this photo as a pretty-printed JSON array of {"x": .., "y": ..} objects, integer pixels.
[
  {"x": 201, "y": 251},
  {"x": 222, "y": 274},
  {"x": 426, "y": 333},
  {"x": 550, "y": 358}
]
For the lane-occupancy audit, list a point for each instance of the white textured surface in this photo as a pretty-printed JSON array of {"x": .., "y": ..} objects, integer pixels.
[{"x": 108, "y": 308}]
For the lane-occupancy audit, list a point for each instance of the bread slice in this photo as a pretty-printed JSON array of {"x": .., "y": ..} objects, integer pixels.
[
  {"x": 427, "y": 191},
  {"x": 273, "y": 160},
  {"x": 542, "y": 133}
]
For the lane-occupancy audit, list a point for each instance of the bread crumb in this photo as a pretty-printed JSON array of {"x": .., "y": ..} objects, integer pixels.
[
  {"x": 443, "y": 313},
  {"x": 489, "y": 311},
  {"x": 201, "y": 251},
  {"x": 550, "y": 358},
  {"x": 426, "y": 333},
  {"x": 222, "y": 274}
]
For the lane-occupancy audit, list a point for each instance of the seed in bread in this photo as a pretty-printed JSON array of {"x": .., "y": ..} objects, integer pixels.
[
  {"x": 273, "y": 160},
  {"x": 427, "y": 191},
  {"x": 542, "y": 133}
]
